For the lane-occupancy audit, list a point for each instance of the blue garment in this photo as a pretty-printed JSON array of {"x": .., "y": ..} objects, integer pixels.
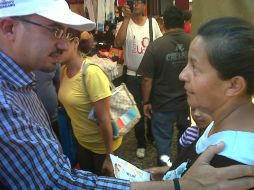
[
  {"x": 31, "y": 157},
  {"x": 47, "y": 84},
  {"x": 67, "y": 139},
  {"x": 162, "y": 126}
]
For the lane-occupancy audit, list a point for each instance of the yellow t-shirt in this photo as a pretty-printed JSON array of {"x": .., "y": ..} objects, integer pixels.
[{"x": 77, "y": 100}]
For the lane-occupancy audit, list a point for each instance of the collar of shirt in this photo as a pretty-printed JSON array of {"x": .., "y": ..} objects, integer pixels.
[{"x": 13, "y": 73}]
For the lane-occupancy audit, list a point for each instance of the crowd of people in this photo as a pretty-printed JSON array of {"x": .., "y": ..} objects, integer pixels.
[{"x": 213, "y": 74}]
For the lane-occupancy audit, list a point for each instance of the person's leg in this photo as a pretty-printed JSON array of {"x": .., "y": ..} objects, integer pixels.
[
  {"x": 85, "y": 158},
  {"x": 134, "y": 86},
  {"x": 183, "y": 122},
  {"x": 149, "y": 132},
  {"x": 98, "y": 160},
  {"x": 162, "y": 126}
]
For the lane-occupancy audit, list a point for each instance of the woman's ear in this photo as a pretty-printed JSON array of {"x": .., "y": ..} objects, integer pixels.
[
  {"x": 237, "y": 85},
  {"x": 76, "y": 41}
]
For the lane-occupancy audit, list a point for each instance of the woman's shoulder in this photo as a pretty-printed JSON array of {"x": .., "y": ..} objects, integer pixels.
[
  {"x": 94, "y": 69},
  {"x": 239, "y": 145}
]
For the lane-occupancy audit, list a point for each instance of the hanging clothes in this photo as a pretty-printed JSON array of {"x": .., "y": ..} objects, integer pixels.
[
  {"x": 92, "y": 10},
  {"x": 110, "y": 10},
  {"x": 106, "y": 12},
  {"x": 101, "y": 15},
  {"x": 120, "y": 3}
]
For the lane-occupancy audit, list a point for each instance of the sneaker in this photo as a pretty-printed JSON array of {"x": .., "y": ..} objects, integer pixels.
[{"x": 140, "y": 152}]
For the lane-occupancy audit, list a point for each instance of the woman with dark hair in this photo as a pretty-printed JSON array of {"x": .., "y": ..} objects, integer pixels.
[
  {"x": 95, "y": 141},
  {"x": 219, "y": 80}
]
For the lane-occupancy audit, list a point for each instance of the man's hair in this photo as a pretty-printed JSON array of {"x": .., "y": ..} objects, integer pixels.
[{"x": 173, "y": 17}]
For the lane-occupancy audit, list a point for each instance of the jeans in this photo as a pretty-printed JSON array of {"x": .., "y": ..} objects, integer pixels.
[
  {"x": 162, "y": 127},
  {"x": 133, "y": 84}
]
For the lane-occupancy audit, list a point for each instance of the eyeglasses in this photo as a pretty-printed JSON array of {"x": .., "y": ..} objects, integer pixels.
[{"x": 59, "y": 33}]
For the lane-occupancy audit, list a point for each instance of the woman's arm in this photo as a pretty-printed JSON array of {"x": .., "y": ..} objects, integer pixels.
[{"x": 102, "y": 108}]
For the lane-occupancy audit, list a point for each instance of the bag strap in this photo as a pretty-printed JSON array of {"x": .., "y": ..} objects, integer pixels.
[
  {"x": 84, "y": 68},
  {"x": 151, "y": 28},
  {"x": 150, "y": 19}
]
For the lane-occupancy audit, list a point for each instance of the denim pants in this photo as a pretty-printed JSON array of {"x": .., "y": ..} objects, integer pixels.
[
  {"x": 162, "y": 127},
  {"x": 133, "y": 84}
]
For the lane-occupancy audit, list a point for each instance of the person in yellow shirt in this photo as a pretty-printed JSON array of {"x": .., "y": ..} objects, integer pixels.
[{"x": 95, "y": 140}]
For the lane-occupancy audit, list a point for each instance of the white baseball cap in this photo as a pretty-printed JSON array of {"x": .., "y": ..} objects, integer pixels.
[{"x": 55, "y": 10}]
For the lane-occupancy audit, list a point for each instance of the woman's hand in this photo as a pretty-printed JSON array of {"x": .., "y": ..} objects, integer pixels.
[{"x": 107, "y": 167}]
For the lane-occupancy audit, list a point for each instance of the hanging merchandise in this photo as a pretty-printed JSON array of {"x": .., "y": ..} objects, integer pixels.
[
  {"x": 106, "y": 12},
  {"x": 101, "y": 15},
  {"x": 91, "y": 7},
  {"x": 110, "y": 10},
  {"x": 120, "y": 3}
]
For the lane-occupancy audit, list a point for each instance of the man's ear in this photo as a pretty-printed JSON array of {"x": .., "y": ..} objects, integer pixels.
[
  {"x": 7, "y": 28},
  {"x": 237, "y": 85}
]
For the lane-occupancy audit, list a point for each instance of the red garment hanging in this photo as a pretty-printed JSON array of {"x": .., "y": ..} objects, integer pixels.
[{"x": 120, "y": 2}]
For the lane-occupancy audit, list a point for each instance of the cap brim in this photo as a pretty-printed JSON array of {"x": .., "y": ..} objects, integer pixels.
[{"x": 70, "y": 19}]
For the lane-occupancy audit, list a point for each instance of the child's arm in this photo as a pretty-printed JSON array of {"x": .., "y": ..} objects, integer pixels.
[{"x": 157, "y": 173}]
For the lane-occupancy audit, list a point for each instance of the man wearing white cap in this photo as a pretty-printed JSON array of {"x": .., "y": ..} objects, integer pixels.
[{"x": 33, "y": 37}]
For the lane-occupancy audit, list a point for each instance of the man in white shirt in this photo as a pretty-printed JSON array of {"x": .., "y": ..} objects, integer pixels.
[{"x": 133, "y": 35}]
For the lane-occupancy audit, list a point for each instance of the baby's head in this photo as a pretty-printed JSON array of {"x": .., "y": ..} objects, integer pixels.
[{"x": 201, "y": 119}]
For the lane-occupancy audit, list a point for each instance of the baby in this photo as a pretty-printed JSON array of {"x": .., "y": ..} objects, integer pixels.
[{"x": 190, "y": 135}]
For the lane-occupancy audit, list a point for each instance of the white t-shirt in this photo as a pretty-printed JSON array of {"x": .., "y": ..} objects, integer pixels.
[{"x": 137, "y": 40}]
